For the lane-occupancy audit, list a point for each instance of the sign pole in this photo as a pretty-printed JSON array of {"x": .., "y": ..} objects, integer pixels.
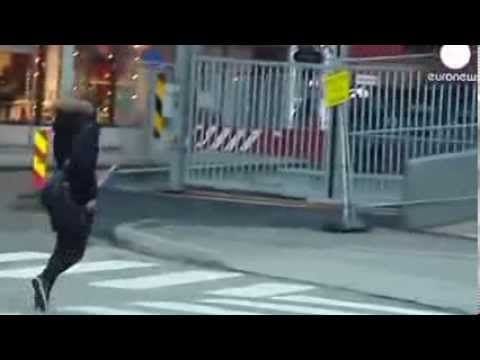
[{"x": 339, "y": 176}]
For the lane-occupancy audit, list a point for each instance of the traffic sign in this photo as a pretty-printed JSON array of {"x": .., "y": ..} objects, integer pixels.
[{"x": 337, "y": 88}]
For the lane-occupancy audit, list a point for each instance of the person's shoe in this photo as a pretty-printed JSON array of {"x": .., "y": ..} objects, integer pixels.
[{"x": 40, "y": 295}]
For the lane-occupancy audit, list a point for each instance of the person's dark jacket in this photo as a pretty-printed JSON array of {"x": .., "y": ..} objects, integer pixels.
[{"x": 76, "y": 148}]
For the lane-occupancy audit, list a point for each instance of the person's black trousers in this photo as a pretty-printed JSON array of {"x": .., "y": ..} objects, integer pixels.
[{"x": 69, "y": 250}]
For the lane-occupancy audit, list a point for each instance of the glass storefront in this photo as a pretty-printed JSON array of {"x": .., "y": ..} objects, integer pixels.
[
  {"x": 105, "y": 76},
  {"x": 30, "y": 76},
  {"x": 17, "y": 70}
]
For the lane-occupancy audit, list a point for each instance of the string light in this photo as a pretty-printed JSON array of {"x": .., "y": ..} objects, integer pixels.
[{"x": 135, "y": 77}]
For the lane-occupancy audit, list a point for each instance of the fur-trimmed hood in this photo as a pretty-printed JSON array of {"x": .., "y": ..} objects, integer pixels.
[{"x": 73, "y": 106}]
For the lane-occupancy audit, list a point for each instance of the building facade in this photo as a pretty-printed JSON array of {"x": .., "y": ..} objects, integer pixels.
[{"x": 33, "y": 75}]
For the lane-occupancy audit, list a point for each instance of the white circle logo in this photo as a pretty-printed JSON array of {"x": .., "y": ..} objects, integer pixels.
[{"x": 455, "y": 57}]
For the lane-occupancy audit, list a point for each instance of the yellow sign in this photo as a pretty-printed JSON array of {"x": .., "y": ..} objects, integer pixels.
[
  {"x": 41, "y": 158},
  {"x": 337, "y": 88},
  {"x": 161, "y": 122}
]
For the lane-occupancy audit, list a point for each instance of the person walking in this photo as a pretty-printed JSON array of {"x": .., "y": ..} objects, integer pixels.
[{"x": 70, "y": 196}]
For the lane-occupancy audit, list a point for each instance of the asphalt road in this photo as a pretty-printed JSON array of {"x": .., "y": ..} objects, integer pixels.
[{"x": 111, "y": 281}]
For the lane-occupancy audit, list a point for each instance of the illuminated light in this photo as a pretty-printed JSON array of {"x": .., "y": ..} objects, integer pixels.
[
  {"x": 76, "y": 53},
  {"x": 135, "y": 77},
  {"x": 137, "y": 58},
  {"x": 110, "y": 56},
  {"x": 37, "y": 60},
  {"x": 75, "y": 88},
  {"x": 107, "y": 76},
  {"x": 36, "y": 74},
  {"x": 105, "y": 109},
  {"x": 109, "y": 93},
  {"x": 134, "y": 97}
]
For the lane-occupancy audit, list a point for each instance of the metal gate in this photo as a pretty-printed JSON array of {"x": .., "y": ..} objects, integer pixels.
[
  {"x": 243, "y": 134},
  {"x": 262, "y": 127}
]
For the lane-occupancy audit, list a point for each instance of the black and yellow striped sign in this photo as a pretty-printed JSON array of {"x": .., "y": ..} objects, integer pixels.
[
  {"x": 160, "y": 123},
  {"x": 40, "y": 158}
]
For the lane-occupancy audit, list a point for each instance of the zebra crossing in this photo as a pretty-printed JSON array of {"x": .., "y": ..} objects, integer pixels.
[{"x": 228, "y": 293}]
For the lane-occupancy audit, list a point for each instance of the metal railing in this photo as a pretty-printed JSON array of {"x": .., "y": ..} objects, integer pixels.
[
  {"x": 241, "y": 129},
  {"x": 404, "y": 116},
  {"x": 262, "y": 126}
]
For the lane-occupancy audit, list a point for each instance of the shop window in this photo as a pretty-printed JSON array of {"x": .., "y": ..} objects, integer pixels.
[
  {"x": 106, "y": 76},
  {"x": 16, "y": 98}
]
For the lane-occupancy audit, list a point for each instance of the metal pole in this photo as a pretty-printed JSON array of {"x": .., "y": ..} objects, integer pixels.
[
  {"x": 67, "y": 71},
  {"x": 183, "y": 72},
  {"x": 339, "y": 163},
  {"x": 292, "y": 86}
]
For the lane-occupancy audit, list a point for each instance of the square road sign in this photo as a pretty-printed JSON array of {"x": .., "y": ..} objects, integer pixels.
[{"x": 337, "y": 88}]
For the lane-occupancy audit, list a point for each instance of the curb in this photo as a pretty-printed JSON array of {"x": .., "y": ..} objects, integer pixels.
[
  {"x": 128, "y": 237},
  {"x": 451, "y": 235}
]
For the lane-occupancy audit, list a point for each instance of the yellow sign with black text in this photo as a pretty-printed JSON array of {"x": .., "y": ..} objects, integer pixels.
[{"x": 337, "y": 88}]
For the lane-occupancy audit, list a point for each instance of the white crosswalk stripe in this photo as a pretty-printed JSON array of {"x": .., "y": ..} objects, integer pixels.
[
  {"x": 261, "y": 290},
  {"x": 10, "y": 314},
  {"x": 102, "y": 310},
  {"x": 252, "y": 298},
  {"x": 165, "y": 280},
  {"x": 22, "y": 256},
  {"x": 295, "y": 309},
  {"x": 354, "y": 305},
  {"x": 83, "y": 268},
  {"x": 192, "y": 308}
]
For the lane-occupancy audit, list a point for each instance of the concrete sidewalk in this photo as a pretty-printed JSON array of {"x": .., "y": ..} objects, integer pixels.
[{"x": 421, "y": 268}]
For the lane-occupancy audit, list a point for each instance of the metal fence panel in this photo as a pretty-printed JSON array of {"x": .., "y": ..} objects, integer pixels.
[
  {"x": 242, "y": 134},
  {"x": 404, "y": 116},
  {"x": 261, "y": 126}
]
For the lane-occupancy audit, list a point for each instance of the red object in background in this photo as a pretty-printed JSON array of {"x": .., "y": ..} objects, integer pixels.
[
  {"x": 378, "y": 50},
  {"x": 305, "y": 144},
  {"x": 39, "y": 183},
  {"x": 301, "y": 144}
]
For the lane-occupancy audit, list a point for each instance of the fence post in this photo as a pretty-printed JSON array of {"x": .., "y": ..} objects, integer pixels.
[
  {"x": 183, "y": 75},
  {"x": 292, "y": 82}
]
